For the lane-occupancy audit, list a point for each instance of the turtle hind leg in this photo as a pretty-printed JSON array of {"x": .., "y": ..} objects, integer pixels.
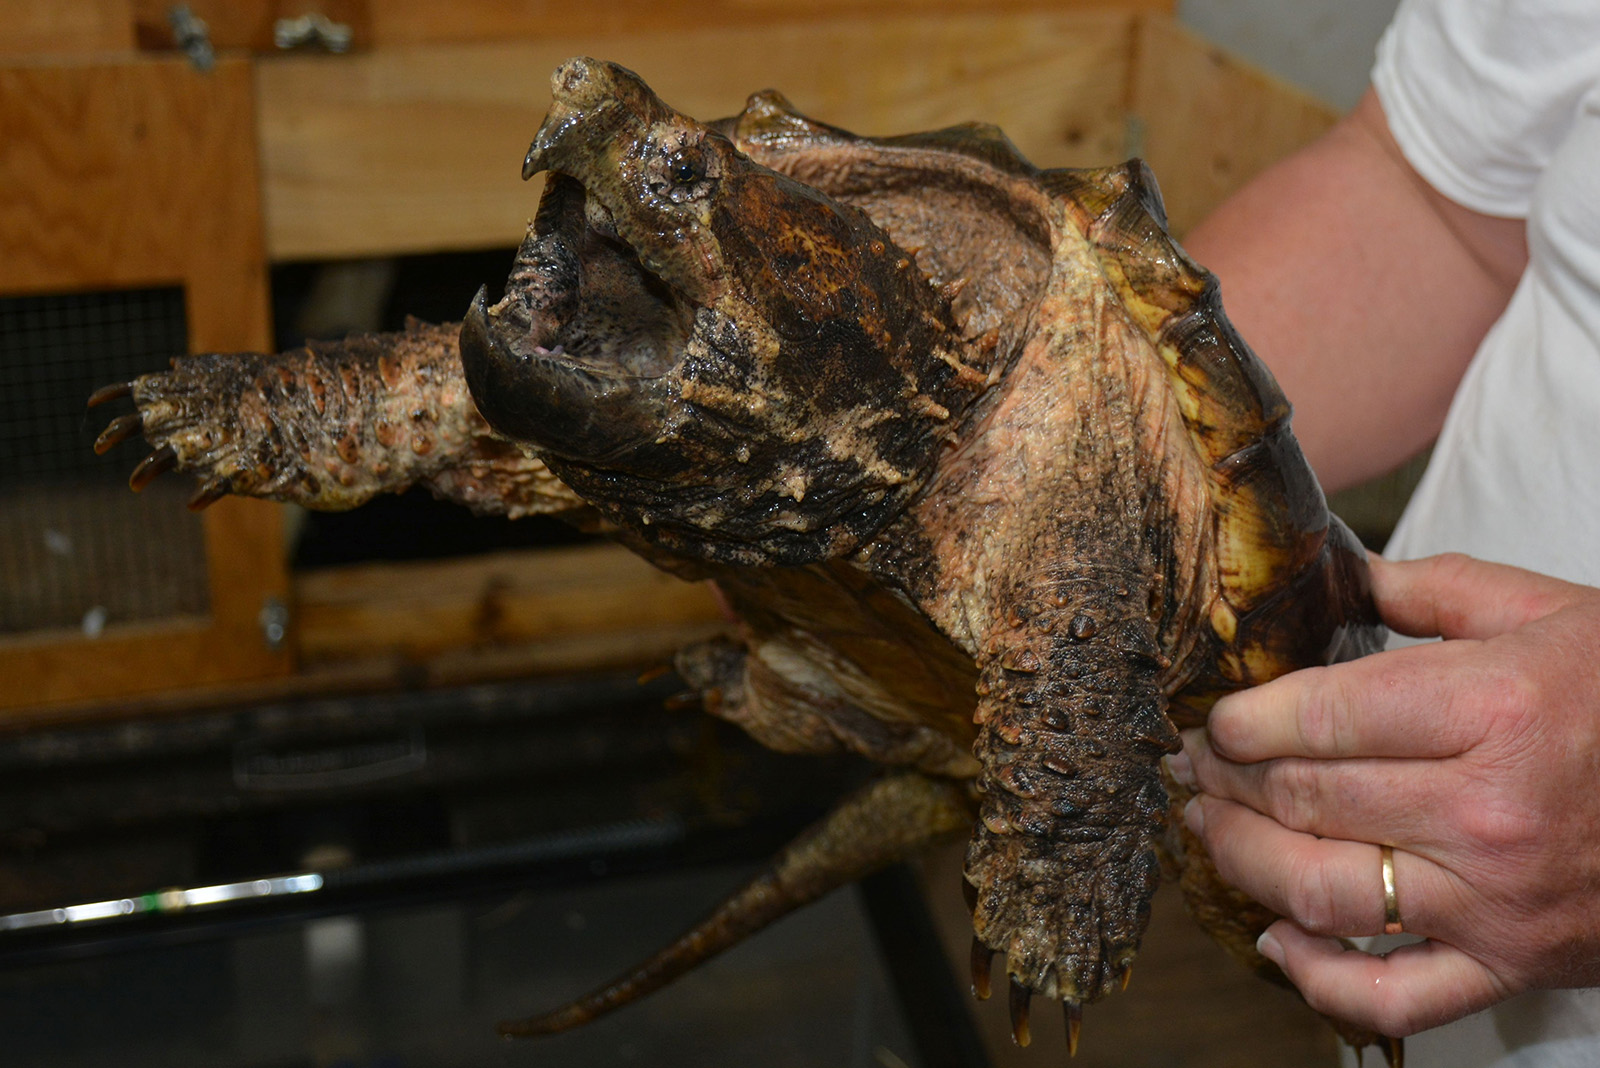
[{"x": 877, "y": 825}]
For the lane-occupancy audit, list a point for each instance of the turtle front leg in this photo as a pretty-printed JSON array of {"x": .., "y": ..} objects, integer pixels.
[
  {"x": 331, "y": 425},
  {"x": 1072, "y": 724}
]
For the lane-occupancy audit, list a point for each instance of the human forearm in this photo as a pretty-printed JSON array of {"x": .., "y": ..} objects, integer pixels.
[{"x": 1362, "y": 288}]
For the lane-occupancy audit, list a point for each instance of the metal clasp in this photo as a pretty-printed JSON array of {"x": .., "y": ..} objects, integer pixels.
[
  {"x": 313, "y": 31},
  {"x": 192, "y": 35},
  {"x": 274, "y": 621}
]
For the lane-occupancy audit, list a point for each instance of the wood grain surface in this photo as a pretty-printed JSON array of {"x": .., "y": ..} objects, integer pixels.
[
  {"x": 135, "y": 173},
  {"x": 1207, "y": 122},
  {"x": 421, "y": 149},
  {"x": 423, "y": 610}
]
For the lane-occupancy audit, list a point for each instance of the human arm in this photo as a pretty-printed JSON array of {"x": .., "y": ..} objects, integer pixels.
[
  {"x": 1364, "y": 290},
  {"x": 1475, "y": 758}
]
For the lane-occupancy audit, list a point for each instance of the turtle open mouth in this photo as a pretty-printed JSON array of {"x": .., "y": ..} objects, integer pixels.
[
  {"x": 572, "y": 358},
  {"x": 578, "y": 290}
]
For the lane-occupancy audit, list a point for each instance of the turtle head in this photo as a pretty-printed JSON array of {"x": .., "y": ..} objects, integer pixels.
[{"x": 715, "y": 355}]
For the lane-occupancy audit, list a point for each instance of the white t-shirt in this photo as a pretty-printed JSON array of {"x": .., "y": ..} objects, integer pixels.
[{"x": 1497, "y": 104}]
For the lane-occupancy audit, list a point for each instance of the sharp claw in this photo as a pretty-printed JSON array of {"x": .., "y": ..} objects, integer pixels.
[
  {"x": 209, "y": 494},
  {"x": 969, "y": 894},
  {"x": 680, "y": 702},
  {"x": 650, "y": 675},
  {"x": 1394, "y": 1051},
  {"x": 1020, "y": 996},
  {"x": 1074, "y": 1013},
  {"x": 151, "y": 467},
  {"x": 981, "y": 956},
  {"x": 110, "y": 393},
  {"x": 1127, "y": 976},
  {"x": 121, "y": 429}
]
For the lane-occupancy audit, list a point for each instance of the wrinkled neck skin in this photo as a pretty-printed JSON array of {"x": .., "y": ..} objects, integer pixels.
[
  {"x": 1063, "y": 467},
  {"x": 1065, "y": 479}
]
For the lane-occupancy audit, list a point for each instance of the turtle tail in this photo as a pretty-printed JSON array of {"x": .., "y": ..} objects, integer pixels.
[{"x": 872, "y": 828}]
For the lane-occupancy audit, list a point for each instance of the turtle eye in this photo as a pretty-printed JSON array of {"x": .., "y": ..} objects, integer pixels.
[{"x": 683, "y": 173}]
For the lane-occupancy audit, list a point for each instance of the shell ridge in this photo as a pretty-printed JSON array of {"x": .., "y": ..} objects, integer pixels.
[{"x": 1271, "y": 521}]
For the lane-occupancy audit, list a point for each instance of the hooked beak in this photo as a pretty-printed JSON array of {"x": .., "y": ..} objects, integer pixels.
[{"x": 540, "y": 396}]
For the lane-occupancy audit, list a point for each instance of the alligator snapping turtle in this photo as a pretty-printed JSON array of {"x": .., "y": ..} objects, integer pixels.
[{"x": 996, "y": 491}]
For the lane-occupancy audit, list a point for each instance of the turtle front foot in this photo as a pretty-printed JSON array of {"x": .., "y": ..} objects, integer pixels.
[
  {"x": 198, "y": 417},
  {"x": 328, "y": 425}
]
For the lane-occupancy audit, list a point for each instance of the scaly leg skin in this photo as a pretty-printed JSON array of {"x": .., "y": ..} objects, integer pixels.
[
  {"x": 1072, "y": 725},
  {"x": 331, "y": 425},
  {"x": 883, "y": 822}
]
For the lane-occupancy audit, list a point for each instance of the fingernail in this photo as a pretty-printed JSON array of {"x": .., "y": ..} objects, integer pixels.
[
  {"x": 1194, "y": 815},
  {"x": 1181, "y": 768},
  {"x": 1270, "y": 948}
]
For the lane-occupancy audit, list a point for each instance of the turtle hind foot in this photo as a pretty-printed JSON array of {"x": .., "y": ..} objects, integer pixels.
[
  {"x": 1070, "y": 929},
  {"x": 1087, "y": 954}
]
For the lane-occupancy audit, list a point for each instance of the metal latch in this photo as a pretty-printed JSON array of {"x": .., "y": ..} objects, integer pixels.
[
  {"x": 192, "y": 35},
  {"x": 312, "y": 31},
  {"x": 274, "y": 621}
]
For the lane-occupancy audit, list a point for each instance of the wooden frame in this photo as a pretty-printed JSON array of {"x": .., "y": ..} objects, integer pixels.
[{"x": 131, "y": 174}]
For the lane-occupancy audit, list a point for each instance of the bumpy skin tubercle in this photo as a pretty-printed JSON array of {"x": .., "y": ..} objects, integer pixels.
[{"x": 334, "y": 423}]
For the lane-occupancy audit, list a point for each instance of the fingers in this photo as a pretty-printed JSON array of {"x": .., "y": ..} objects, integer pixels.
[
  {"x": 1422, "y": 701},
  {"x": 1408, "y": 990},
  {"x": 1412, "y": 702},
  {"x": 1338, "y": 799},
  {"x": 1327, "y": 886},
  {"x": 1455, "y": 596}
]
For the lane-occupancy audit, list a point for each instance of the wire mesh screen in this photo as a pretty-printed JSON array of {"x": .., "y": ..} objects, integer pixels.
[{"x": 77, "y": 549}]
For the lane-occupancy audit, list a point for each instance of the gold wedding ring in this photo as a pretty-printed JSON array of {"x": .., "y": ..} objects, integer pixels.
[{"x": 1391, "y": 903}]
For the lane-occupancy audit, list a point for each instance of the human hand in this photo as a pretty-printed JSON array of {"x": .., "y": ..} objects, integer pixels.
[{"x": 1475, "y": 758}]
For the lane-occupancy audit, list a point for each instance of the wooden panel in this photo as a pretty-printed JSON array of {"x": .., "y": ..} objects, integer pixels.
[
  {"x": 131, "y": 174},
  {"x": 417, "y": 21},
  {"x": 1209, "y": 122},
  {"x": 50, "y": 27},
  {"x": 419, "y": 611},
  {"x": 134, "y": 174},
  {"x": 41, "y": 27},
  {"x": 421, "y": 149}
]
